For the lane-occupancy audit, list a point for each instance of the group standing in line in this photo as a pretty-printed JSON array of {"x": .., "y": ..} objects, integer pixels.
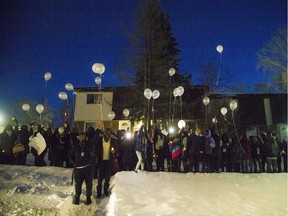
[{"x": 97, "y": 153}]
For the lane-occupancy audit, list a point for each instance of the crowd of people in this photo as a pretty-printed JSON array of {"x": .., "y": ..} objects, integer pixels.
[{"x": 98, "y": 153}]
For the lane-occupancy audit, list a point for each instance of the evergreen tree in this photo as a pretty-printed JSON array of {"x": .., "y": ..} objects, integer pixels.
[{"x": 153, "y": 52}]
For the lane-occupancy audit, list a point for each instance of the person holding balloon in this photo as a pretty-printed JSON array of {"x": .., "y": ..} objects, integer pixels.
[
  {"x": 106, "y": 150},
  {"x": 81, "y": 155}
]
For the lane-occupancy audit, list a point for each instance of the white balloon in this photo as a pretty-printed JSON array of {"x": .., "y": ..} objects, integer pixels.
[
  {"x": 180, "y": 90},
  {"x": 61, "y": 130},
  {"x": 171, "y": 71},
  {"x": 148, "y": 93},
  {"x": 206, "y": 100},
  {"x": 155, "y": 94},
  {"x": 39, "y": 108},
  {"x": 214, "y": 120},
  {"x": 98, "y": 80},
  {"x": 98, "y": 68},
  {"x": 176, "y": 92},
  {"x": 233, "y": 105},
  {"x": 47, "y": 76},
  {"x": 25, "y": 107},
  {"x": 181, "y": 124},
  {"x": 62, "y": 95},
  {"x": 69, "y": 86},
  {"x": 111, "y": 115},
  {"x": 219, "y": 48},
  {"x": 126, "y": 112},
  {"x": 224, "y": 111}
]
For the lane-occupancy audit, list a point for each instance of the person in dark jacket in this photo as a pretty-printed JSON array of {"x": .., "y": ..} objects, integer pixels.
[
  {"x": 271, "y": 151},
  {"x": 283, "y": 154},
  {"x": 158, "y": 142},
  {"x": 82, "y": 154},
  {"x": 209, "y": 144},
  {"x": 255, "y": 153},
  {"x": 128, "y": 152},
  {"x": 23, "y": 138},
  {"x": 194, "y": 142},
  {"x": 247, "y": 165},
  {"x": 216, "y": 152},
  {"x": 236, "y": 154},
  {"x": 226, "y": 161},
  {"x": 59, "y": 148},
  {"x": 106, "y": 150},
  {"x": 39, "y": 159},
  {"x": 140, "y": 148},
  {"x": 7, "y": 142}
]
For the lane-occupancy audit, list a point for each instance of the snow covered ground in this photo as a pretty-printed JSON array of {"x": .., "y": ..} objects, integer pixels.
[{"x": 29, "y": 190}]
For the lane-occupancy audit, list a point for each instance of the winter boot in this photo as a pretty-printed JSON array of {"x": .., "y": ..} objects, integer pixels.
[
  {"x": 76, "y": 200},
  {"x": 88, "y": 201},
  {"x": 106, "y": 192}
]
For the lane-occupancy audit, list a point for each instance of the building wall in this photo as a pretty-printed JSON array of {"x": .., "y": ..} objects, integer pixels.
[{"x": 92, "y": 112}]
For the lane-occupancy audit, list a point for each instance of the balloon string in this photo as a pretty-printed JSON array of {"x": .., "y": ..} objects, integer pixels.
[
  {"x": 173, "y": 108},
  {"x": 153, "y": 110},
  {"x": 220, "y": 60},
  {"x": 101, "y": 108},
  {"x": 148, "y": 113},
  {"x": 236, "y": 131},
  {"x": 181, "y": 106}
]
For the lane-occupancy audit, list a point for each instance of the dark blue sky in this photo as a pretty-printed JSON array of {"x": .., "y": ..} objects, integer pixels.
[{"x": 65, "y": 38}]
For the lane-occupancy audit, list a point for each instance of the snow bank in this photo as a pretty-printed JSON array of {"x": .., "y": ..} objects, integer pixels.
[{"x": 29, "y": 190}]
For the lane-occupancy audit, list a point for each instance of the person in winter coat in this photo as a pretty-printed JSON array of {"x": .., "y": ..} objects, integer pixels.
[
  {"x": 176, "y": 147},
  {"x": 271, "y": 150},
  {"x": 140, "y": 148},
  {"x": 283, "y": 154},
  {"x": 247, "y": 165},
  {"x": 158, "y": 142},
  {"x": 39, "y": 159},
  {"x": 281, "y": 146},
  {"x": 262, "y": 148},
  {"x": 23, "y": 138},
  {"x": 59, "y": 148},
  {"x": 7, "y": 142},
  {"x": 128, "y": 153},
  {"x": 209, "y": 144},
  {"x": 216, "y": 152},
  {"x": 255, "y": 153},
  {"x": 225, "y": 146},
  {"x": 236, "y": 154},
  {"x": 194, "y": 142},
  {"x": 106, "y": 151},
  {"x": 82, "y": 154},
  {"x": 148, "y": 153}
]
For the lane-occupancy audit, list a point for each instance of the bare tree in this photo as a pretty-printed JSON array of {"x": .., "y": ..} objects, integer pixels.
[
  {"x": 272, "y": 58},
  {"x": 208, "y": 76}
]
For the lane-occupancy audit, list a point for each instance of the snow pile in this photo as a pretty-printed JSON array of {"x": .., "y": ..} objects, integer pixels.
[
  {"x": 163, "y": 193},
  {"x": 28, "y": 190}
]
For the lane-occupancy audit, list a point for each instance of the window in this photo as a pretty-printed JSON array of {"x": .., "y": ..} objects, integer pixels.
[{"x": 94, "y": 98}]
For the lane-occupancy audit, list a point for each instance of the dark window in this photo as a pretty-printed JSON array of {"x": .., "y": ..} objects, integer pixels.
[{"x": 94, "y": 98}]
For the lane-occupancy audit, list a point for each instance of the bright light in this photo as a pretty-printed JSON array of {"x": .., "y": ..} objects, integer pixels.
[
  {"x": 171, "y": 130},
  {"x": 128, "y": 135},
  {"x": 1, "y": 119}
]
